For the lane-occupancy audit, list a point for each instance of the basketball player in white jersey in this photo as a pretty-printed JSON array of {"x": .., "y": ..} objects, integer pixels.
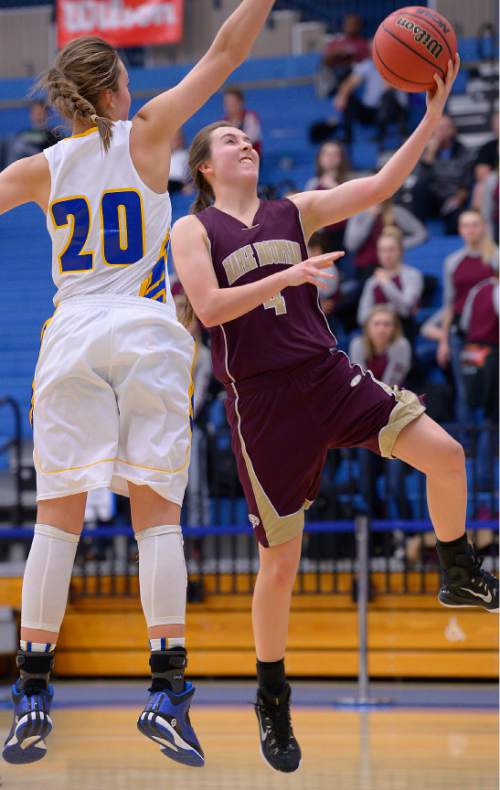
[{"x": 112, "y": 394}]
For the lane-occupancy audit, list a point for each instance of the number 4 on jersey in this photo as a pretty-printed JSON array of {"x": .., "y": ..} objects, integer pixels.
[{"x": 277, "y": 303}]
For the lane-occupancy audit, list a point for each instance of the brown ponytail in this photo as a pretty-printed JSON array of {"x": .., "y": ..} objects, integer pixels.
[
  {"x": 84, "y": 69},
  {"x": 199, "y": 152}
]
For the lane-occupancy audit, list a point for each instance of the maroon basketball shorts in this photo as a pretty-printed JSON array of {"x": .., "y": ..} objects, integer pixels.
[{"x": 283, "y": 423}]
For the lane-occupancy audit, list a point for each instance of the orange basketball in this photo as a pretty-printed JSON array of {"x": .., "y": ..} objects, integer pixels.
[{"x": 412, "y": 45}]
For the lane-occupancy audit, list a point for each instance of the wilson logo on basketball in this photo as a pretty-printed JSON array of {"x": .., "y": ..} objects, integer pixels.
[
  {"x": 421, "y": 36},
  {"x": 438, "y": 20}
]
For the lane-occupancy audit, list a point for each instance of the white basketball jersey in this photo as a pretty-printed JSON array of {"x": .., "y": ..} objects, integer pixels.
[{"x": 110, "y": 232}]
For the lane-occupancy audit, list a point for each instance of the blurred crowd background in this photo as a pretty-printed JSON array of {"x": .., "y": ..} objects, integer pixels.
[{"x": 415, "y": 299}]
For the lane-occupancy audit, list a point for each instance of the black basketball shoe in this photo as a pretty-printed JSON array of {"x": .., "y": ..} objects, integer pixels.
[
  {"x": 466, "y": 584},
  {"x": 277, "y": 741}
]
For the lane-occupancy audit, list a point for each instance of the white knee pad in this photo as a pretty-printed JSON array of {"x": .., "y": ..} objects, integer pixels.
[
  {"x": 162, "y": 575},
  {"x": 46, "y": 578}
]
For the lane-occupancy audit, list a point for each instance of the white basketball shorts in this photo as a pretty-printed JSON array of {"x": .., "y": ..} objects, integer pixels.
[{"x": 113, "y": 398}]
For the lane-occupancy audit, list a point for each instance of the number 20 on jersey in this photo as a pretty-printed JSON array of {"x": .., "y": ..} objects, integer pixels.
[{"x": 122, "y": 230}]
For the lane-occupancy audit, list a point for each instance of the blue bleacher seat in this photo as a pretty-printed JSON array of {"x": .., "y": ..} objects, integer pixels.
[{"x": 286, "y": 112}]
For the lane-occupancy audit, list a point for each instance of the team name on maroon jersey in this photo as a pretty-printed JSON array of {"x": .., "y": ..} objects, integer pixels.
[
  {"x": 288, "y": 329},
  {"x": 263, "y": 253}
]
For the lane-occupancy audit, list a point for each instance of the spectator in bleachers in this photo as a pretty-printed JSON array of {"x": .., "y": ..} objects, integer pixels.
[
  {"x": 487, "y": 156},
  {"x": 432, "y": 328},
  {"x": 341, "y": 53},
  {"x": 384, "y": 351},
  {"x": 179, "y": 178},
  {"x": 443, "y": 177},
  {"x": 489, "y": 205},
  {"x": 332, "y": 169},
  {"x": 39, "y": 136},
  {"x": 239, "y": 116},
  {"x": 479, "y": 325},
  {"x": 393, "y": 283},
  {"x": 486, "y": 164},
  {"x": 476, "y": 261},
  {"x": 382, "y": 348},
  {"x": 364, "y": 97},
  {"x": 364, "y": 230}
]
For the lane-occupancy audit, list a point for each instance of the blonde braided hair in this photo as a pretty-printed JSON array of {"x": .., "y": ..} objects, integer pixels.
[{"x": 84, "y": 69}]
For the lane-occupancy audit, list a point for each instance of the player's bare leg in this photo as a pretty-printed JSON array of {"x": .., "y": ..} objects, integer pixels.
[
  {"x": 163, "y": 582},
  {"x": 270, "y": 615},
  {"x": 272, "y": 597},
  {"x": 427, "y": 447},
  {"x": 45, "y": 593}
]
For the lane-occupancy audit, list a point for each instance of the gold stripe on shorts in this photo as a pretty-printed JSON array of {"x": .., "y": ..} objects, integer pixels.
[
  {"x": 407, "y": 409},
  {"x": 279, "y": 529}
]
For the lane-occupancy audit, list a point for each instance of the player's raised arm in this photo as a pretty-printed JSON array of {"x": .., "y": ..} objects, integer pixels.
[
  {"x": 25, "y": 181},
  {"x": 214, "y": 305},
  {"x": 168, "y": 112},
  {"x": 321, "y": 208}
]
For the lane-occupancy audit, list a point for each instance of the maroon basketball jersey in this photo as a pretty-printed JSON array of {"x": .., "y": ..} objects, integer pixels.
[
  {"x": 469, "y": 272},
  {"x": 483, "y": 326},
  {"x": 379, "y": 295},
  {"x": 288, "y": 329}
]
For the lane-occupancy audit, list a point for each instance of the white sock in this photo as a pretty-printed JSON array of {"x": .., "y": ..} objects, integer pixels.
[
  {"x": 166, "y": 643},
  {"x": 162, "y": 575},
  {"x": 37, "y": 647},
  {"x": 46, "y": 578}
]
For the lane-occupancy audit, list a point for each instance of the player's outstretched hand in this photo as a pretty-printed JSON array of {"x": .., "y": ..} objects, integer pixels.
[
  {"x": 438, "y": 96},
  {"x": 313, "y": 270}
]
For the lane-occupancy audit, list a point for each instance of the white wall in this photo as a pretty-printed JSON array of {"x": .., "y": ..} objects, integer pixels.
[
  {"x": 26, "y": 41},
  {"x": 468, "y": 15}
]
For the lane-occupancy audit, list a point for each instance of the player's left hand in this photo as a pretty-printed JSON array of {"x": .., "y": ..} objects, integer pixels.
[{"x": 438, "y": 96}]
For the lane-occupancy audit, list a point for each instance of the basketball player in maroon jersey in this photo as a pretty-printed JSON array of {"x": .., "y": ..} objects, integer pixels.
[{"x": 291, "y": 394}]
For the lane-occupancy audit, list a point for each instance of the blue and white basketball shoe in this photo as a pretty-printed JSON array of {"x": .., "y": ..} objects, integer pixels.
[
  {"x": 25, "y": 742},
  {"x": 165, "y": 719}
]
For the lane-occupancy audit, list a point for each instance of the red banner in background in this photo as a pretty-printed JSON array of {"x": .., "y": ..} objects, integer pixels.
[{"x": 124, "y": 23}]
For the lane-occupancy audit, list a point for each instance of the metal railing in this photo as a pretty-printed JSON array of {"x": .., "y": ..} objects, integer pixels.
[
  {"x": 222, "y": 560},
  {"x": 222, "y": 557},
  {"x": 12, "y": 447}
]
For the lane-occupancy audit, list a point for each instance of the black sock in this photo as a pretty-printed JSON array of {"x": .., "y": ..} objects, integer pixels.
[
  {"x": 271, "y": 676},
  {"x": 449, "y": 549}
]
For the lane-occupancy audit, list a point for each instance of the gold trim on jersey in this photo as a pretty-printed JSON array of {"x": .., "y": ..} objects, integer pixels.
[
  {"x": 116, "y": 459},
  {"x": 81, "y": 134},
  {"x": 278, "y": 529},
  {"x": 147, "y": 285},
  {"x": 44, "y": 328},
  {"x": 122, "y": 227},
  {"x": 71, "y": 221},
  {"x": 407, "y": 409}
]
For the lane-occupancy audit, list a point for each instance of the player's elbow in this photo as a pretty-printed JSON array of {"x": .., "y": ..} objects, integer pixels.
[
  {"x": 207, "y": 320},
  {"x": 379, "y": 189},
  {"x": 208, "y": 315}
]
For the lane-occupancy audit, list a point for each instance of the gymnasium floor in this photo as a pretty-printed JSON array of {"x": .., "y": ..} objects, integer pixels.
[{"x": 433, "y": 737}]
